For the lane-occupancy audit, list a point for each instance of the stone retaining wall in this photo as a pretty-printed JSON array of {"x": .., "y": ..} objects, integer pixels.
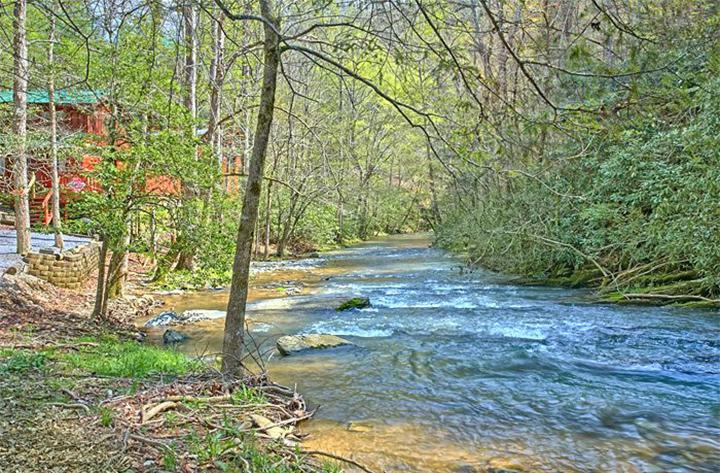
[
  {"x": 7, "y": 218},
  {"x": 69, "y": 270}
]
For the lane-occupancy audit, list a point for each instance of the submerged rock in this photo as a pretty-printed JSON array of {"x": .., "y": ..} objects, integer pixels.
[
  {"x": 354, "y": 303},
  {"x": 290, "y": 344},
  {"x": 504, "y": 465},
  {"x": 290, "y": 288},
  {"x": 358, "y": 427},
  {"x": 174, "y": 336},
  {"x": 163, "y": 318}
]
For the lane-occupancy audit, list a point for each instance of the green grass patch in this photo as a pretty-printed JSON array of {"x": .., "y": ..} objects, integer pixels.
[
  {"x": 248, "y": 395},
  {"x": 21, "y": 361},
  {"x": 130, "y": 360}
]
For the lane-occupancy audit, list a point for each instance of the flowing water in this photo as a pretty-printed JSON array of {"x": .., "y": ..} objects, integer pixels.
[{"x": 457, "y": 372}]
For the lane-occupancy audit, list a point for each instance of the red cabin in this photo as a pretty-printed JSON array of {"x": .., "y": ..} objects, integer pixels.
[{"x": 78, "y": 112}]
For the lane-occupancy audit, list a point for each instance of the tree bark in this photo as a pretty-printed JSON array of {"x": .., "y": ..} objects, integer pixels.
[
  {"x": 217, "y": 79},
  {"x": 268, "y": 210},
  {"x": 118, "y": 269},
  {"x": 20, "y": 168},
  {"x": 235, "y": 320},
  {"x": 54, "y": 175},
  {"x": 189, "y": 18},
  {"x": 187, "y": 253},
  {"x": 99, "y": 311}
]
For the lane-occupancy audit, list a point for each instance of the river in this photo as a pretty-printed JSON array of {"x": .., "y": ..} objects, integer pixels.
[{"x": 457, "y": 372}]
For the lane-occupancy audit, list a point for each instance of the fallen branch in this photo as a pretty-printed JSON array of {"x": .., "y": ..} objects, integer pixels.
[
  {"x": 287, "y": 421},
  {"x": 339, "y": 458},
  {"x": 226, "y": 397},
  {"x": 69, "y": 346},
  {"x": 162, "y": 407},
  {"x": 76, "y": 405},
  {"x": 671, "y": 297},
  {"x": 150, "y": 442}
]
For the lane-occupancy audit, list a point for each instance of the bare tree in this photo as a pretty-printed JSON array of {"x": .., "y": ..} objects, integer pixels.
[
  {"x": 187, "y": 255},
  {"x": 20, "y": 171},
  {"x": 54, "y": 177},
  {"x": 235, "y": 320}
]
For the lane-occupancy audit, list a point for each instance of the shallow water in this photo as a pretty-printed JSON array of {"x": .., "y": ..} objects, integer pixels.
[{"x": 459, "y": 372}]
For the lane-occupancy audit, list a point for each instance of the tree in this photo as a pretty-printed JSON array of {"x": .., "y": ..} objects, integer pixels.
[
  {"x": 20, "y": 169},
  {"x": 54, "y": 177},
  {"x": 235, "y": 319}
]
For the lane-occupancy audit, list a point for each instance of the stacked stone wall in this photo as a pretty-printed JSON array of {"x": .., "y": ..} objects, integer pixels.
[{"x": 69, "y": 270}]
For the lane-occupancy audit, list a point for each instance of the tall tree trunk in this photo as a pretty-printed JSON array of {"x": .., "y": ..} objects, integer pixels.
[
  {"x": 54, "y": 176},
  {"x": 189, "y": 21},
  {"x": 217, "y": 79},
  {"x": 437, "y": 216},
  {"x": 340, "y": 238},
  {"x": 20, "y": 171},
  {"x": 235, "y": 320},
  {"x": 285, "y": 234},
  {"x": 268, "y": 210},
  {"x": 118, "y": 268},
  {"x": 187, "y": 252}
]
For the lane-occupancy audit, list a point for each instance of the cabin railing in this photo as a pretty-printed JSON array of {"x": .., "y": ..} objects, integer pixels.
[{"x": 47, "y": 217}]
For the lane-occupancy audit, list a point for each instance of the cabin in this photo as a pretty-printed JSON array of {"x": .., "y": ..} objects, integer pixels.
[
  {"x": 80, "y": 114},
  {"x": 85, "y": 115}
]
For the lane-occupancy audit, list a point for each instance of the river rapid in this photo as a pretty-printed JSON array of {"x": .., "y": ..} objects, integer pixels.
[{"x": 458, "y": 372}]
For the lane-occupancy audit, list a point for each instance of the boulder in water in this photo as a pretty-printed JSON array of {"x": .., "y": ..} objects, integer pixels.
[
  {"x": 174, "y": 336},
  {"x": 190, "y": 316},
  {"x": 163, "y": 318},
  {"x": 198, "y": 315},
  {"x": 354, "y": 303},
  {"x": 290, "y": 344}
]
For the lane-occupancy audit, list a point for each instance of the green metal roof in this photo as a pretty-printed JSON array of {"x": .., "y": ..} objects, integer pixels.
[{"x": 61, "y": 96}]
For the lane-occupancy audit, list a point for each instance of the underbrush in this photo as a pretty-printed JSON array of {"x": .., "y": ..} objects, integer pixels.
[
  {"x": 633, "y": 212},
  {"x": 146, "y": 407}
]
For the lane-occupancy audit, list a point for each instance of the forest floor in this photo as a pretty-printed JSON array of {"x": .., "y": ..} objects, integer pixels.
[{"x": 80, "y": 395}]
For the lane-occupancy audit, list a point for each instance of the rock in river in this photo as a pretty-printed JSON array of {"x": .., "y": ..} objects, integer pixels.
[
  {"x": 174, "y": 336},
  {"x": 198, "y": 315},
  {"x": 354, "y": 303},
  {"x": 290, "y": 344},
  {"x": 187, "y": 317},
  {"x": 164, "y": 318}
]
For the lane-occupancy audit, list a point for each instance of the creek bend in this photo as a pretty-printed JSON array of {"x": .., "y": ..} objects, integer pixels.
[{"x": 457, "y": 372}]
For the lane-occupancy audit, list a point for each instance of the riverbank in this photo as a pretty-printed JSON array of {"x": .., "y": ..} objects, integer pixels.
[
  {"x": 652, "y": 284},
  {"x": 81, "y": 395},
  {"x": 683, "y": 289}
]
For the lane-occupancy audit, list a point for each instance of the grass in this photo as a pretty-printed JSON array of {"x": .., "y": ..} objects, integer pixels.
[
  {"x": 129, "y": 359},
  {"x": 111, "y": 357},
  {"x": 21, "y": 361},
  {"x": 233, "y": 450},
  {"x": 248, "y": 395}
]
